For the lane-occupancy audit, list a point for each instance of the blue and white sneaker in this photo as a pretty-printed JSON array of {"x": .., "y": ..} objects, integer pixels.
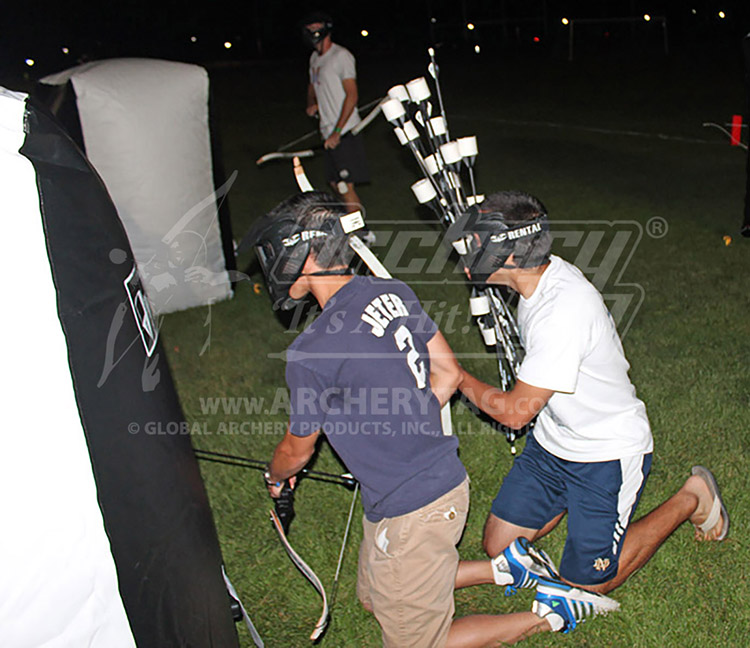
[
  {"x": 522, "y": 565},
  {"x": 565, "y": 606}
]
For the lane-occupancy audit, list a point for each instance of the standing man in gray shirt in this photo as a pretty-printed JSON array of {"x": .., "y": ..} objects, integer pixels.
[{"x": 332, "y": 95}]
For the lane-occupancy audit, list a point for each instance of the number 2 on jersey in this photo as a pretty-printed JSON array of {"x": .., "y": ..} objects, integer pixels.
[{"x": 404, "y": 340}]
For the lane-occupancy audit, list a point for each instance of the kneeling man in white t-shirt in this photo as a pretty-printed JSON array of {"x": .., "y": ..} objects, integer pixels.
[{"x": 589, "y": 453}]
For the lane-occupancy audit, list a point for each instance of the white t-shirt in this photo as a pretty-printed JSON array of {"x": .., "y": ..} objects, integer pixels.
[
  {"x": 326, "y": 75},
  {"x": 572, "y": 347}
]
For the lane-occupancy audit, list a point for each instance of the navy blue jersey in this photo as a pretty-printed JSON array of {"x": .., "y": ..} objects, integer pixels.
[{"x": 360, "y": 373}]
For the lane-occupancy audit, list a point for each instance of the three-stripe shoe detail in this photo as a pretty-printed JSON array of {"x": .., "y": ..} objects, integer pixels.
[
  {"x": 566, "y": 606},
  {"x": 526, "y": 565}
]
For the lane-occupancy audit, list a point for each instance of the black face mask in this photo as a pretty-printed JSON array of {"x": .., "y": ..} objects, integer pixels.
[
  {"x": 314, "y": 36},
  {"x": 485, "y": 242},
  {"x": 282, "y": 246}
]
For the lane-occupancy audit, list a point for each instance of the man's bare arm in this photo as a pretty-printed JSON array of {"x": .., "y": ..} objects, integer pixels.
[
  {"x": 291, "y": 455},
  {"x": 513, "y": 409},
  {"x": 347, "y": 108},
  {"x": 350, "y": 101},
  {"x": 312, "y": 101},
  {"x": 445, "y": 372}
]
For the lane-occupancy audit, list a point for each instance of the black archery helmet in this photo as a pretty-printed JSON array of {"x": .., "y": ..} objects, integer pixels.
[
  {"x": 307, "y": 222},
  {"x": 506, "y": 223},
  {"x": 314, "y": 36}
]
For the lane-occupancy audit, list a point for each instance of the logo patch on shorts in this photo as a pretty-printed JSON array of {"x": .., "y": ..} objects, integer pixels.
[{"x": 600, "y": 564}]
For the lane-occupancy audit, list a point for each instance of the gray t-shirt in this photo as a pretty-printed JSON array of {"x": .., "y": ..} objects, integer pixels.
[
  {"x": 360, "y": 373},
  {"x": 327, "y": 73}
]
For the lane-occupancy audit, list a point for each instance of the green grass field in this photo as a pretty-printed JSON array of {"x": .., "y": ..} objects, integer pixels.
[{"x": 608, "y": 146}]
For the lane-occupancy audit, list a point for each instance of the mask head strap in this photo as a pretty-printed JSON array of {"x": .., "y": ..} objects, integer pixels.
[
  {"x": 283, "y": 245},
  {"x": 485, "y": 241}
]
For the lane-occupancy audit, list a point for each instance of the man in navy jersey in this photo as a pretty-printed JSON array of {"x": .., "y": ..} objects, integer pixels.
[{"x": 371, "y": 373}]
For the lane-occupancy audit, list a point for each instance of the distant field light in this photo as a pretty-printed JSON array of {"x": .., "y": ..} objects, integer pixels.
[
  {"x": 193, "y": 39},
  {"x": 565, "y": 21},
  {"x": 722, "y": 15},
  {"x": 364, "y": 33},
  {"x": 433, "y": 20},
  {"x": 65, "y": 50},
  {"x": 470, "y": 26},
  {"x": 30, "y": 62},
  {"x": 693, "y": 11},
  {"x": 646, "y": 17},
  {"x": 477, "y": 49},
  {"x": 227, "y": 45}
]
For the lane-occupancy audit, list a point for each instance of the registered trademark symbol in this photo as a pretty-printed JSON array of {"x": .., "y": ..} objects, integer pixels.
[{"x": 657, "y": 227}]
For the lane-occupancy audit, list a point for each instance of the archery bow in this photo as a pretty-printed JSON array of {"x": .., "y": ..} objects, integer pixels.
[
  {"x": 322, "y": 623},
  {"x": 257, "y": 640},
  {"x": 281, "y": 517},
  {"x": 310, "y": 152},
  {"x": 245, "y": 462},
  {"x": 727, "y": 133},
  {"x": 288, "y": 155}
]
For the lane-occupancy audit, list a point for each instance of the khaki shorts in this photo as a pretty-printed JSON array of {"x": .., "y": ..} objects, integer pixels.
[{"x": 407, "y": 570}]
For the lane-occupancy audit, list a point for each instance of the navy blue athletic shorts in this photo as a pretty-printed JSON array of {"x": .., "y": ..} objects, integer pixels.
[
  {"x": 347, "y": 161},
  {"x": 600, "y": 499}
]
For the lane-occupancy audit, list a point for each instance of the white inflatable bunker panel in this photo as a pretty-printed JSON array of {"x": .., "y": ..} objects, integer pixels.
[
  {"x": 57, "y": 575},
  {"x": 145, "y": 127}
]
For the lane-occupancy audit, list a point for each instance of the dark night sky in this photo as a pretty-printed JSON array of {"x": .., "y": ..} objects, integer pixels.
[{"x": 268, "y": 28}]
